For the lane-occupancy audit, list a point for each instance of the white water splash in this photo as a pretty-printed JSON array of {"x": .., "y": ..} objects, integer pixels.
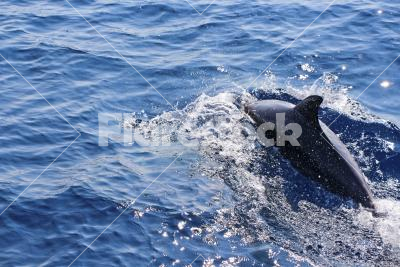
[
  {"x": 261, "y": 208},
  {"x": 388, "y": 226},
  {"x": 336, "y": 96},
  {"x": 307, "y": 67},
  {"x": 216, "y": 122}
]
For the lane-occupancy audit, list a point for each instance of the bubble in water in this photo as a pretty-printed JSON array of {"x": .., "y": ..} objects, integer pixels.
[
  {"x": 181, "y": 225},
  {"x": 307, "y": 67}
]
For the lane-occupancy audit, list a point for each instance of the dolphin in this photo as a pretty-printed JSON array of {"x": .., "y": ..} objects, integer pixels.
[{"x": 319, "y": 153}]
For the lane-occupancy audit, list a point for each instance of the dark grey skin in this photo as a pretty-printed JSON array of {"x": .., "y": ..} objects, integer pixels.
[{"x": 321, "y": 155}]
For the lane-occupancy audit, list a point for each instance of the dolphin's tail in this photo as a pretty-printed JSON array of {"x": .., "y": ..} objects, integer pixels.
[
  {"x": 371, "y": 207},
  {"x": 379, "y": 214}
]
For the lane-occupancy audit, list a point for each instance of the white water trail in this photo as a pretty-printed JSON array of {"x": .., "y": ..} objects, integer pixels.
[
  {"x": 388, "y": 225},
  {"x": 227, "y": 150}
]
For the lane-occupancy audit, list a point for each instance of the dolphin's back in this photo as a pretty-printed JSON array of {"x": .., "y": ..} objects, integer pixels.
[
  {"x": 321, "y": 154},
  {"x": 354, "y": 182},
  {"x": 266, "y": 110},
  {"x": 337, "y": 144}
]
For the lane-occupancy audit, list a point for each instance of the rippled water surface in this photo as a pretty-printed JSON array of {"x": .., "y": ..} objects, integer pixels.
[{"x": 227, "y": 201}]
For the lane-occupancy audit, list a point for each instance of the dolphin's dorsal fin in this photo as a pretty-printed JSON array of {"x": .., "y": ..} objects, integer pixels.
[{"x": 309, "y": 109}]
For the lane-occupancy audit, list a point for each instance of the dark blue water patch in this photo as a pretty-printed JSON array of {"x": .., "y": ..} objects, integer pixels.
[
  {"x": 389, "y": 165},
  {"x": 44, "y": 220}
]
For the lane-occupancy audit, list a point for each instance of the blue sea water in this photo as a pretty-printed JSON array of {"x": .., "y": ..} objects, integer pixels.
[{"x": 229, "y": 202}]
